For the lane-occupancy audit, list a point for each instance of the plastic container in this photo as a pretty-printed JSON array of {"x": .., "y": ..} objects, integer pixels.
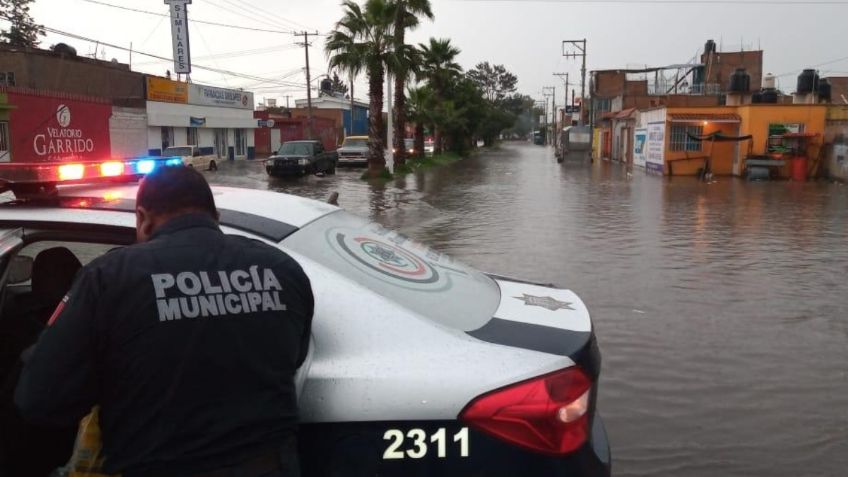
[{"x": 799, "y": 168}]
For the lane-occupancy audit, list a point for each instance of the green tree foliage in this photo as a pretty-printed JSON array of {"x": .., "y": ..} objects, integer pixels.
[
  {"x": 22, "y": 31},
  {"x": 495, "y": 82},
  {"x": 363, "y": 39},
  {"x": 337, "y": 86}
]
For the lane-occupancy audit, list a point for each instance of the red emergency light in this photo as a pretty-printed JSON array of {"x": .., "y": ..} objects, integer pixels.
[{"x": 48, "y": 175}]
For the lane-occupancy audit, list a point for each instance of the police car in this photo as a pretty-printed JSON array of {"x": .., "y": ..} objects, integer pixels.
[{"x": 419, "y": 365}]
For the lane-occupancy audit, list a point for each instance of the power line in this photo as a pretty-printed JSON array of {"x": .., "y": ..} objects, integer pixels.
[
  {"x": 829, "y": 62},
  {"x": 274, "y": 15},
  {"x": 207, "y": 68},
  {"x": 164, "y": 15},
  {"x": 680, "y": 2}
]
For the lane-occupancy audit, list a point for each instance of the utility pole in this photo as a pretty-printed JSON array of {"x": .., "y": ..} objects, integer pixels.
[
  {"x": 305, "y": 46},
  {"x": 552, "y": 90},
  {"x": 351, "y": 106},
  {"x": 580, "y": 51},
  {"x": 287, "y": 100},
  {"x": 566, "y": 84}
]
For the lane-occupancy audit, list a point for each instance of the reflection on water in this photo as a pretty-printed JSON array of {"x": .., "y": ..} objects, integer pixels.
[{"x": 721, "y": 309}]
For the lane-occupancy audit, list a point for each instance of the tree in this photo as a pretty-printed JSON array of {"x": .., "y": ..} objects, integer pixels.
[
  {"x": 407, "y": 13},
  {"x": 420, "y": 108},
  {"x": 495, "y": 81},
  {"x": 440, "y": 69},
  {"x": 363, "y": 39},
  {"x": 23, "y": 31}
]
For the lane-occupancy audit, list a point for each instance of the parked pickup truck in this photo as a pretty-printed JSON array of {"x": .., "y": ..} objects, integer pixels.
[
  {"x": 192, "y": 157},
  {"x": 301, "y": 158},
  {"x": 354, "y": 151}
]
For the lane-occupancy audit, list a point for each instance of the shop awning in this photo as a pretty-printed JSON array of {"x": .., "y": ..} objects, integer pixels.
[
  {"x": 701, "y": 117},
  {"x": 625, "y": 113},
  {"x": 719, "y": 137}
]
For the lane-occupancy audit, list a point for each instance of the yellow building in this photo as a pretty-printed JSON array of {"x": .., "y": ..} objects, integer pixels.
[{"x": 666, "y": 138}]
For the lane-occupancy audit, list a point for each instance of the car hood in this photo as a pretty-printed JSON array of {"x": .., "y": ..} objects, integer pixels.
[
  {"x": 352, "y": 149},
  {"x": 289, "y": 156}
]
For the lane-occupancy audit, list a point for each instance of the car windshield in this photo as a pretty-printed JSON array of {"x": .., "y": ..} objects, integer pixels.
[
  {"x": 391, "y": 265},
  {"x": 177, "y": 151},
  {"x": 296, "y": 149},
  {"x": 355, "y": 143},
  {"x": 410, "y": 143}
]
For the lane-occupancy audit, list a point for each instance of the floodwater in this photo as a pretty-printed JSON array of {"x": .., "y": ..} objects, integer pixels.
[{"x": 721, "y": 309}]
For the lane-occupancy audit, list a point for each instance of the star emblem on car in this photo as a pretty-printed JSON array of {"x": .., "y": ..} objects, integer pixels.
[{"x": 546, "y": 302}]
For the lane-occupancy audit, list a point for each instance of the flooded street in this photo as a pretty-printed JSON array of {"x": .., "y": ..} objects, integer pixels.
[{"x": 721, "y": 309}]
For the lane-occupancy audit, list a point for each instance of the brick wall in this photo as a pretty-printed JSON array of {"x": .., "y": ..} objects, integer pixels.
[
  {"x": 608, "y": 84},
  {"x": 839, "y": 89},
  {"x": 720, "y": 66},
  {"x": 44, "y": 70}
]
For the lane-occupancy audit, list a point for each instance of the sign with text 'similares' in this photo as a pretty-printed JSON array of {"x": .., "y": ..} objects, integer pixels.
[{"x": 179, "y": 35}]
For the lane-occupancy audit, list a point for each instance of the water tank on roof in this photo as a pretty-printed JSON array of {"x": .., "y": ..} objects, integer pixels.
[
  {"x": 710, "y": 47},
  {"x": 327, "y": 86},
  {"x": 757, "y": 98},
  {"x": 770, "y": 96},
  {"x": 698, "y": 75},
  {"x": 769, "y": 81},
  {"x": 807, "y": 81},
  {"x": 824, "y": 90},
  {"x": 740, "y": 81}
]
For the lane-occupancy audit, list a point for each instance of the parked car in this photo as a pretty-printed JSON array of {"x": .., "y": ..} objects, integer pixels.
[
  {"x": 354, "y": 151},
  {"x": 409, "y": 144},
  {"x": 192, "y": 156},
  {"x": 301, "y": 158}
]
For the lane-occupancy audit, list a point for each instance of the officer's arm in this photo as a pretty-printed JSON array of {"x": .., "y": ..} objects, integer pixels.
[
  {"x": 308, "y": 301},
  {"x": 58, "y": 385}
]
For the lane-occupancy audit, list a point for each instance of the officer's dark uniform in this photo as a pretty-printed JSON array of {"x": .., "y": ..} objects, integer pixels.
[{"x": 188, "y": 342}]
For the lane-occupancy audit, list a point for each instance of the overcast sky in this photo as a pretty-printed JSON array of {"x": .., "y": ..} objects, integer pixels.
[{"x": 525, "y": 36}]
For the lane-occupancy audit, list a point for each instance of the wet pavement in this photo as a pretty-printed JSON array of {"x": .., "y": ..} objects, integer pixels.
[{"x": 721, "y": 309}]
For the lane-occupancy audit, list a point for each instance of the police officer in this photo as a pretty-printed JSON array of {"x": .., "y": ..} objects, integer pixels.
[{"x": 188, "y": 341}]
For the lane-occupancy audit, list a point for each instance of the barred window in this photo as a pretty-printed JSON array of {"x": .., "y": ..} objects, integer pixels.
[{"x": 680, "y": 140}]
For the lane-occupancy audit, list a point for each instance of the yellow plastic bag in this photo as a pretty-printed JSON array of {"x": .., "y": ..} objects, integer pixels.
[{"x": 87, "y": 459}]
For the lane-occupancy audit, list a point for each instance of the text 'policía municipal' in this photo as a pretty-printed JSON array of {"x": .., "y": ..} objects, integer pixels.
[{"x": 205, "y": 294}]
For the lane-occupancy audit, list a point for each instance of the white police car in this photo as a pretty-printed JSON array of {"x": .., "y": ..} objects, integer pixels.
[{"x": 419, "y": 365}]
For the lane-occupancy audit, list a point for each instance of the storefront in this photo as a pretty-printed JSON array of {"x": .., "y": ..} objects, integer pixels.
[
  {"x": 220, "y": 121},
  {"x": 41, "y": 126}
]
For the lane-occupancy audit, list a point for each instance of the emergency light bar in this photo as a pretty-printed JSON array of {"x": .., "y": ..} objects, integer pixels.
[{"x": 58, "y": 173}]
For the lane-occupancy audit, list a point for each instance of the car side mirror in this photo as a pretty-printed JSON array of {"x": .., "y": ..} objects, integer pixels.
[{"x": 20, "y": 269}]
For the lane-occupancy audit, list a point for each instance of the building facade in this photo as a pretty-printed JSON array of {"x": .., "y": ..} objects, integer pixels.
[
  {"x": 338, "y": 110},
  {"x": 219, "y": 121}
]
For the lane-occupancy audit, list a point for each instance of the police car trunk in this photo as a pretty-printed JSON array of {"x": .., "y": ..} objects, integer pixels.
[{"x": 419, "y": 365}]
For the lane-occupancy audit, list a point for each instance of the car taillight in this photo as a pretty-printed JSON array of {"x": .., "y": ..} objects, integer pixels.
[{"x": 548, "y": 414}]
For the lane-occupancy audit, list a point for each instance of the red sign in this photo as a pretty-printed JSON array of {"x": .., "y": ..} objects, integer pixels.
[{"x": 52, "y": 127}]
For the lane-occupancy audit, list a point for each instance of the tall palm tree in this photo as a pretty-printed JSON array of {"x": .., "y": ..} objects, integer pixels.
[
  {"x": 421, "y": 112},
  {"x": 363, "y": 38},
  {"x": 439, "y": 67},
  {"x": 407, "y": 13}
]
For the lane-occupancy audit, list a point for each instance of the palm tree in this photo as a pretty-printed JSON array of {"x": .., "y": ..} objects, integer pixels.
[
  {"x": 421, "y": 112},
  {"x": 440, "y": 70},
  {"x": 407, "y": 13},
  {"x": 363, "y": 39}
]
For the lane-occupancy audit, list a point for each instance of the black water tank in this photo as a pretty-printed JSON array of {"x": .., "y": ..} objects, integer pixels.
[
  {"x": 326, "y": 86},
  {"x": 710, "y": 47},
  {"x": 699, "y": 73},
  {"x": 740, "y": 81},
  {"x": 824, "y": 90},
  {"x": 757, "y": 98},
  {"x": 770, "y": 96},
  {"x": 807, "y": 81}
]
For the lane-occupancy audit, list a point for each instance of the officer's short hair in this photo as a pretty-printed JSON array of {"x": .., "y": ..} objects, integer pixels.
[{"x": 175, "y": 189}]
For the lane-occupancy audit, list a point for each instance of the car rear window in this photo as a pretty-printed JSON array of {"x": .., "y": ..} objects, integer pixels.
[{"x": 392, "y": 265}]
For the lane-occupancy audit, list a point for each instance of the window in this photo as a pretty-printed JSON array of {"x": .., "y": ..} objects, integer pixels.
[
  {"x": 680, "y": 140},
  {"x": 7, "y": 79},
  {"x": 4, "y": 142},
  {"x": 191, "y": 137},
  {"x": 167, "y": 137}
]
